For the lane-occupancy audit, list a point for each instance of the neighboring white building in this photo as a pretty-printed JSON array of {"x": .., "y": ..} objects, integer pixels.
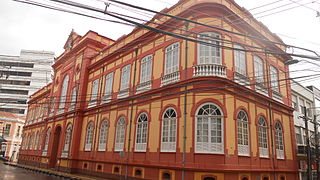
[
  {"x": 309, "y": 98},
  {"x": 21, "y": 76}
]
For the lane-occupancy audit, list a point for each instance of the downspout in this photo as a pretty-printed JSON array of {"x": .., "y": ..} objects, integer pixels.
[
  {"x": 185, "y": 109},
  {"x": 270, "y": 118},
  {"x": 131, "y": 111}
]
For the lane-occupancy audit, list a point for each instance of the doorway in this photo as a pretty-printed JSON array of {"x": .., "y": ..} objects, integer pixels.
[{"x": 55, "y": 148}]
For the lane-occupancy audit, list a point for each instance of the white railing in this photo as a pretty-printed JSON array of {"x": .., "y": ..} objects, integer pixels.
[
  {"x": 242, "y": 79},
  {"x": 170, "y": 78},
  {"x": 264, "y": 152},
  {"x": 260, "y": 88},
  {"x": 106, "y": 98},
  {"x": 277, "y": 96},
  {"x": 123, "y": 93},
  {"x": 145, "y": 86},
  {"x": 209, "y": 70}
]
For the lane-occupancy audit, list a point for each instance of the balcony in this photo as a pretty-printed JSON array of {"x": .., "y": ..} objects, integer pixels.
[
  {"x": 123, "y": 93},
  {"x": 145, "y": 86},
  {"x": 260, "y": 88},
  {"x": 170, "y": 78},
  {"x": 106, "y": 98},
  {"x": 241, "y": 79},
  {"x": 209, "y": 70},
  {"x": 276, "y": 95}
]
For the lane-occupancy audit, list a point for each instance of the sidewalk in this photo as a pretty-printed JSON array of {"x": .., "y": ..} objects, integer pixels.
[{"x": 53, "y": 172}]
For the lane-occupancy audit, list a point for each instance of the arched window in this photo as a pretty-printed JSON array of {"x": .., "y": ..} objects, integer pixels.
[
  {"x": 274, "y": 79},
  {"x": 209, "y": 129},
  {"x": 209, "y": 178},
  {"x": 169, "y": 128},
  {"x": 142, "y": 133},
  {"x": 40, "y": 140},
  {"x": 89, "y": 136},
  {"x": 30, "y": 142},
  {"x": 67, "y": 141},
  {"x": 209, "y": 54},
  {"x": 63, "y": 95},
  {"x": 166, "y": 176},
  {"x": 243, "y": 133},
  {"x": 263, "y": 137},
  {"x": 103, "y": 136},
  {"x": 120, "y": 133},
  {"x": 279, "y": 141},
  {"x": 46, "y": 143},
  {"x": 35, "y": 145}
]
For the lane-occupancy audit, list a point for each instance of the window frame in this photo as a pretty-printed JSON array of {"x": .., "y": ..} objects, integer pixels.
[
  {"x": 103, "y": 135},
  {"x": 94, "y": 92},
  {"x": 240, "y": 61},
  {"x": 125, "y": 77},
  {"x": 263, "y": 140},
  {"x": 141, "y": 139},
  {"x": 209, "y": 146},
  {"x": 172, "y": 58},
  {"x": 279, "y": 140},
  {"x": 146, "y": 69},
  {"x": 67, "y": 140},
  {"x": 89, "y": 137},
  {"x": 120, "y": 134},
  {"x": 258, "y": 70},
  {"x": 169, "y": 119},
  {"x": 243, "y": 133},
  {"x": 63, "y": 94},
  {"x": 211, "y": 59},
  {"x": 274, "y": 79}
]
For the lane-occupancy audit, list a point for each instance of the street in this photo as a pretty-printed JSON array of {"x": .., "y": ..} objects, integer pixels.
[{"x": 12, "y": 173}]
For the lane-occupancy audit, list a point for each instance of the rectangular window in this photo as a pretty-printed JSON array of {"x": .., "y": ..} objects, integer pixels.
[
  {"x": 302, "y": 105},
  {"x": 146, "y": 69},
  {"x": 125, "y": 77},
  {"x": 6, "y": 130},
  {"x": 240, "y": 60},
  {"x": 298, "y": 135},
  {"x": 258, "y": 70},
  {"x": 274, "y": 79},
  {"x": 108, "y": 88},
  {"x": 209, "y": 54},
  {"x": 295, "y": 102},
  {"x": 18, "y": 131},
  {"x": 309, "y": 110},
  {"x": 94, "y": 93},
  {"x": 172, "y": 58}
]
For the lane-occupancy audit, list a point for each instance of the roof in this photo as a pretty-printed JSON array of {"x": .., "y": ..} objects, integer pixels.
[{"x": 10, "y": 116}]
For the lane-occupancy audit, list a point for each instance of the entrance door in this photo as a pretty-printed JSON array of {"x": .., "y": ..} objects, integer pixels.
[{"x": 55, "y": 147}]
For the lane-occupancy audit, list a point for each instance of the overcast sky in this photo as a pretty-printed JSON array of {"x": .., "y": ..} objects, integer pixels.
[{"x": 29, "y": 27}]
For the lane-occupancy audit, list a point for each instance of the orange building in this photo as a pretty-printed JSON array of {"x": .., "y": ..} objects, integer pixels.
[{"x": 152, "y": 106}]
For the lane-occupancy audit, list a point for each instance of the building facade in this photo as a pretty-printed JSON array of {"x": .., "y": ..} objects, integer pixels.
[
  {"x": 11, "y": 130},
  {"x": 305, "y": 97},
  {"x": 153, "y": 106},
  {"x": 21, "y": 76}
]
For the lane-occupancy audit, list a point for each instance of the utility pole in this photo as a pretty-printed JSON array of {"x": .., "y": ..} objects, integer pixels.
[
  {"x": 316, "y": 144},
  {"x": 309, "y": 171}
]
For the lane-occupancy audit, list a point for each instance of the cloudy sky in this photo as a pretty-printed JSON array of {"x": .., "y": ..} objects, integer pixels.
[{"x": 29, "y": 27}]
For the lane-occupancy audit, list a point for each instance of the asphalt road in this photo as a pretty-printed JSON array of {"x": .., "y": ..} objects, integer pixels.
[{"x": 12, "y": 173}]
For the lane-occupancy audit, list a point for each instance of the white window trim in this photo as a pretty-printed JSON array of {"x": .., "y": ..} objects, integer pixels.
[
  {"x": 279, "y": 141},
  {"x": 274, "y": 79},
  {"x": 258, "y": 70},
  {"x": 263, "y": 151},
  {"x": 67, "y": 141},
  {"x": 63, "y": 94},
  {"x": 146, "y": 69},
  {"x": 94, "y": 93},
  {"x": 108, "y": 88}
]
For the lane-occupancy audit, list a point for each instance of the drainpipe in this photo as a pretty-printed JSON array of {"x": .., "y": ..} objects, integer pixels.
[
  {"x": 185, "y": 109},
  {"x": 131, "y": 111},
  {"x": 270, "y": 119}
]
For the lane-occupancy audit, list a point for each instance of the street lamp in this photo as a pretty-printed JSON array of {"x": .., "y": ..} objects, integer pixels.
[{"x": 295, "y": 61}]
